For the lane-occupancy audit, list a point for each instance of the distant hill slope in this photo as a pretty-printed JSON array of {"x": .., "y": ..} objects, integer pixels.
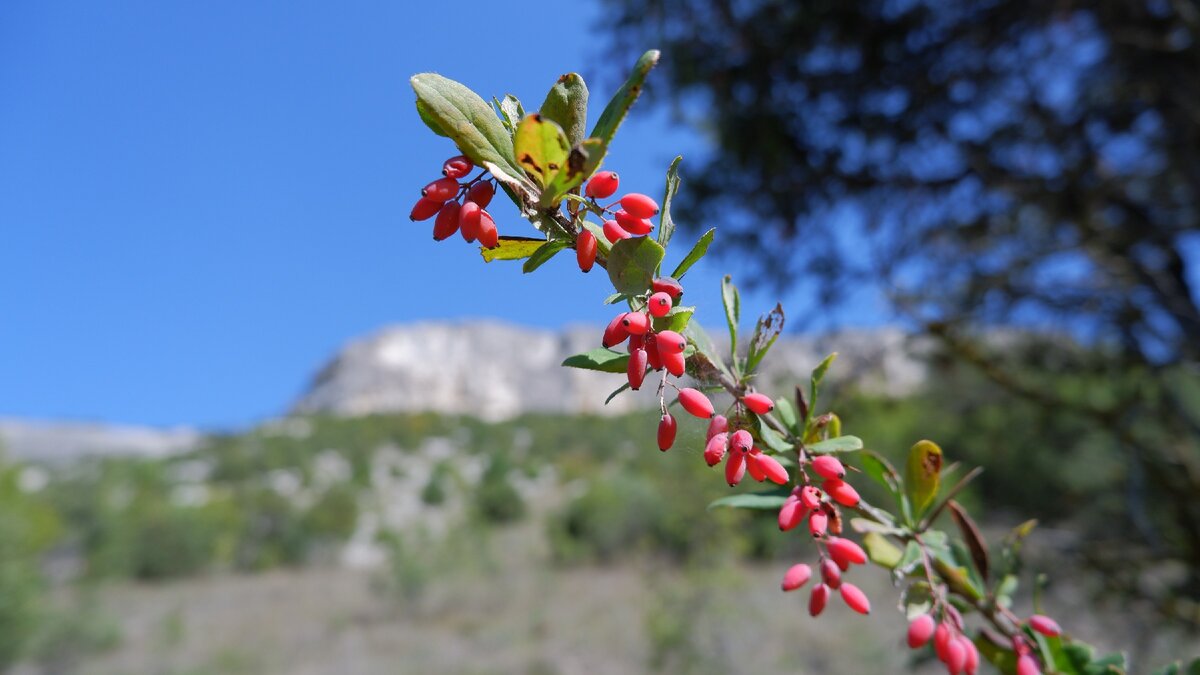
[{"x": 56, "y": 441}]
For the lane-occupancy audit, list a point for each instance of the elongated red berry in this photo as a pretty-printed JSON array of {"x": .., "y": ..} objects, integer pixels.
[
  {"x": 810, "y": 497},
  {"x": 971, "y": 664},
  {"x": 666, "y": 432},
  {"x": 425, "y": 209},
  {"x": 585, "y": 250},
  {"x": 773, "y": 470},
  {"x": 636, "y": 323},
  {"x": 613, "y": 232},
  {"x": 636, "y": 342},
  {"x": 714, "y": 450},
  {"x": 920, "y": 630},
  {"x": 652, "y": 356},
  {"x": 844, "y": 549},
  {"x": 457, "y": 167},
  {"x": 796, "y": 576},
  {"x": 469, "y": 217},
  {"x": 956, "y": 657},
  {"x": 816, "y": 601},
  {"x": 481, "y": 193},
  {"x": 602, "y": 185},
  {"x": 695, "y": 403},
  {"x": 830, "y": 574},
  {"x": 659, "y": 304},
  {"x": 670, "y": 342},
  {"x": 754, "y": 468},
  {"x": 735, "y": 468},
  {"x": 841, "y": 492},
  {"x": 1045, "y": 625},
  {"x": 818, "y": 522},
  {"x": 447, "y": 221},
  {"x": 615, "y": 333},
  {"x": 828, "y": 466},
  {"x": 632, "y": 224},
  {"x": 1027, "y": 665},
  {"x": 741, "y": 441},
  {"x": 489, "y": 235},
  {"x": 942, "y": 637},
  {"x": 791, "y": 514},
  {"x": 639, "y": 205},
  {"x": 636, "y": 368},
  {"x": 667, "y": 285},
  {"x": 718, "y": 425},
  {"x": 855, "y": 598},
  {"x": 674, "y": 363},
  {"x": 440, "y": 190},
  {"x": 759, "y": 404}
]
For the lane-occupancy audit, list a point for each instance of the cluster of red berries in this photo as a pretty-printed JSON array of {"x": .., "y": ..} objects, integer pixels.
[
  {"x": 837, "y": 557},
  {"x": 631, "y": 220},
  {"x": 952, "y": 646},
  {"x": 459, "y": 206}
]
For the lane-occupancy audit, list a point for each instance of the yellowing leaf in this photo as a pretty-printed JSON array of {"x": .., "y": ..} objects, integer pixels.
[{"x": 922, "y": 474}]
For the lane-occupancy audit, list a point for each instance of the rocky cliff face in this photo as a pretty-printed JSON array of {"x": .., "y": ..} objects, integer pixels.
[{"x": 495, "y": 370}]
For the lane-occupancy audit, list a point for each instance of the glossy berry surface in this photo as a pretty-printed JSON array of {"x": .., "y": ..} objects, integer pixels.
[
  {"x": 425, "y": 209},
  {"x": 481, "y": 194},
  {"x": 457, "y": 167},
  {"x": 602, "y": 185},
  {"x": 639, "y": 205},
  {"x": 441, "y": 189},
  {"x": 667, "y": 428},
  {"x": 659, "y": 304},
  {"x": 585, "y": 250}
]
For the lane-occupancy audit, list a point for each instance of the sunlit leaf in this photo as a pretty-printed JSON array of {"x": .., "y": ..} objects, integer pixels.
[
  {"x": 466, "y": 118},
  {"x": 766, "y": 331},
  {"x": 632, "y": 262},
  {"x": 922, "y": 474},
  {"x": 541, "y": 148},
  {"x": 543, "y": 254},
  {"x": 839, "y": 444},
  {"x": 618, "y": 107},
  {"x": 881, "y": 551},
  {"x": 566, "y": 104},
  {"x": 512, "y": 248},
  {"x": 694, "y": 255},
  {"x": 666, "y": 226},
  {"x": 601, "y": 359}
]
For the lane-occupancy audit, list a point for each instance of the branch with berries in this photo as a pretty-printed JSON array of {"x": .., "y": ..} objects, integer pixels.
[{"x": 549, "y": 168}]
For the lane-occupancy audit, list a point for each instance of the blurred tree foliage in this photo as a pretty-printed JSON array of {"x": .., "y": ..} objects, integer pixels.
[{"x": 989, "y": 164}]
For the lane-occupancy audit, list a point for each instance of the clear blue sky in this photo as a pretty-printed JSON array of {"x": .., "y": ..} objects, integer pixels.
[{"x": 200, "y": 202}]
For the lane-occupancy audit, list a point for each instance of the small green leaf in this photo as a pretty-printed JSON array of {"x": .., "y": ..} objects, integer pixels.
[
  {"x": 839, "y": 444},
  {"x": 769, "y": 501},
  {"x": 733, "y": 311},
  {"x": 566, "y": 104},
  {"x": 601, "y": 359},
  {"x": 787, "y": 413},
  {"x": 766, "y": 331},
  {"x": 917, "y": 600},
  {"x": 881, "y": 551},
  {"x": 881, "y": 471},
  {"x": 666, "y": 226},
  {"x": 465, "y": 118},
  {"x": 677, "y": 319},
  {"x": 512, "y": 248},
  {"x": 618, "y": 107},
  {"x": 615, "y": 298},
  {"x": 922, "y": 474},
  {"x": 694, "y": 255},
  {"x": 814, "y": 385},
  {"x": 632, "y": 262},
  {"x": 541, "y": 148},
  {"x": 1006, "y": 589},
  {"x": 617, "y": 391},
  {"x": 511, "y": 112},
  {"x": 543, "y": 254},
  {"x": 771, "y": 438},
  {"x": 707, "y": 362},
  {"x": 911, "y": 558}
]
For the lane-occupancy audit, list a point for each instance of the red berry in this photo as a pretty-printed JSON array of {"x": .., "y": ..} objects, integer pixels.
[
  {"x": 636, "y": 323},
  {"x": 469, "y": 217},
  {"x": 489, "y": 236},
  {"x": 829, "y": 467},
  {"x": 741, "y": 440},
  {"x": 425, "y": 209},
  {"x": 652, "y": 356},
  {"x": 1027, "y": 665},
  {"x": 844, "y": 549},
  {"x": 440, "y": 190},
  {"x": 735, "y": 468},
  {"x": 585, "y": 250},
  {"x": 602, "y": 185},
  {"x": 855, "y": 598},
  {"x": 971, "y": 665},
  {"x": 956, "y": 657},
  {"x": 447, "y": 221},
  {"x": 791, "y": 514},
  {"x": 920, "y": 630},
  {"x": 754, "y": 467},
  {"x": 841, "y": 492},
  {"x": 666, "y": 432},
  {"x": 696, "y": 403},
  {"x": 667, "y": 285},
  {"x": 714, "y": 450},
  {"x": 481, "y": 193},
  {"x": 817, "y": 523},
  {"x": 615, "y": 333},
  {"x": 1045, "y": 625},
  {"x": 659, "y": 304},
  {"x": 613, "y": 232},
  {"x": 796, "y": 576},
  {"x": 718, "y": 425},
  {"x": 633, "y": 225},
  {"x": 639, "y": 205},
  {"x": 670, "y": 342},
  {"x": 816, "y": 601},
  {"x": 674, "y": 363},
  {"x": 636, "y": 369},
  {"x": 457, "y": 167},
  {"x": 830, "y": 574},
  {"x": 810, "y": 497},
  {"x": 942, "y": 637},
  {"x": 773, "y": 470},
  {"x": 636, "y": 342},
  {"x": 758, "y": 403}
]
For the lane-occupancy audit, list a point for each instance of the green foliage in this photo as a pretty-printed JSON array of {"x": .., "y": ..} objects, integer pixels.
[
  {"x": 632, "y": 264},
  {"x": 495, "y": 498}
]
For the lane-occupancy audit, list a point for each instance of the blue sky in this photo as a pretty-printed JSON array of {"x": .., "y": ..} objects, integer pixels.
[{"x": 200, "y": 202}]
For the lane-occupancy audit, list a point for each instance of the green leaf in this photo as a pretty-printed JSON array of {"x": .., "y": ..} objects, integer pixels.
[
  {"x": 705, "y": 357},
  {"x": 512, "y": 248},
  {"x": 766, "y": 331},
  {"x": 839, "y": 444},
  {"x": 428, "y": 119},
  {"x": 677, "y": 319},
  {"x": 771, "y": 438},
  {"x": 511, "y": 112},
  {"x": 694, "y": 255},
  {"x": 881, "y": 471},
  {"x": 910, "y": 560},
  {"x": 581, "y": 162},
  {"x": 881, "y": 551},
  {"x": 615, "y": 298},
  {"x": 541, "y": 148},
  {"x": 1006, "y": 589},
  {"x": 618, "y": 107},
  {"x": 733, "y": 312},
  {"x": 814, "y": 385},
  {"x": 787, "y": 413},
  {"x": 601, "y": 359},
  {"x": 632, "y": 262},
  {"x": 543, "y": 254},
  {"x": 465, "y": 118},
  {"x": 767, "y": 501},
  {"x": 922, "y": 474},
  {"x": 666, "y": 226},
  {"x": 566, "y": 104},
  {"x": 617, "y": 391}
]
